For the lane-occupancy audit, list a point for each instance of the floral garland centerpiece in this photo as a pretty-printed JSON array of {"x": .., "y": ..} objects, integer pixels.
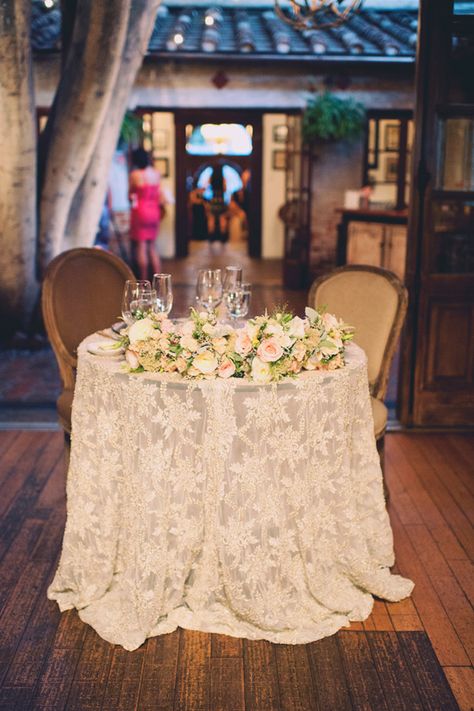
[{"x": 266, "y": 349}]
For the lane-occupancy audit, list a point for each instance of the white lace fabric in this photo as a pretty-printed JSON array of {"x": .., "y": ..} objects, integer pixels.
[{"x": 221, "y": 506}]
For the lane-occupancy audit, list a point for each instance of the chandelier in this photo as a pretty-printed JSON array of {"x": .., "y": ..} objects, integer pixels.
[{"x": 316, "y": 14}]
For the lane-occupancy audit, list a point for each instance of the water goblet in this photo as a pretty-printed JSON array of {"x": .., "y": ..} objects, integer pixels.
[
  {"x": 135, "y": 294},
  {"x": 238, "y": 302},
  {"x": 164, "y": 293},
  {"x": 209, "y": 288}
]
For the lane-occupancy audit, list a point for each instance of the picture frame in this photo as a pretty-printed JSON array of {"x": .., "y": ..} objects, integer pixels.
[
  {"x": 280, "y": 133},
  {"x": 162, "y": 165},
  {"x": 160, "y": 139},
  {"x": 392, "y": 137},
  {"x": 279, "y": 160},
  {"x": 391, "y": 169}
]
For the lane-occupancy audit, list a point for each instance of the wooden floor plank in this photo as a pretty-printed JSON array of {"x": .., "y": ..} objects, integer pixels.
[
  {"x": 461, "y": 462},
  {"x": 227, "y": 684},
  {"x": 394, "y": 673},
  {"x": 443, "y": 636},
  {"x": 17, "y": 556},
  {"x": 362, "y": 678},
  {"x": 223, "y": 645},
  {"x": 327, "y": 672},
  {"x": 444, "y": 582},
  {"x": 294, "y": 678},
  {"x": 91, "y": 674},
  {"x": 16, "y": 699},
  {"x": 157, "y": 689},
  {"x": 123, "y": 683},
  {"x": 464, "y": 573},
  {"x": 193, "y": 676},
  {"x": 7, "y": 440},
  {"x": 429, "y": 678},
  {"x": 33, "y": 451},
  {"x": 461, "y": 681},
  {"x": 261, "y": 680},
  {"x": 56, "y": 679}
]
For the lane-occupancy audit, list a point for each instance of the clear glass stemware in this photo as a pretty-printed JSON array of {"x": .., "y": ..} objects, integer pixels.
[
  {"x": 164, "y": 293},
  {"x": 137, "y": 300},
  {"x": 209, "y": 288},
  {"x": 238, "y": 302}
]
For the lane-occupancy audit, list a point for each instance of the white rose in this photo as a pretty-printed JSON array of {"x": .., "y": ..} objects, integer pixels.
[
  {"x": 299, "y": 351},
  {"x": 219, "y": 345},
  {"x": 296, "y": 327},
  {"x": 188, "y": 343},
  {"x": 205, "y": 362},
  {"x": 209, "y": 329},
  {"x": 251, "y": 329},
  {"x": 141, "y": 330},
  {"x": 260, "y": 371},
  {"x": 328, "y": 347},
  {"x": 186, "y": 328},
  {"x": 330, "y": 322}
]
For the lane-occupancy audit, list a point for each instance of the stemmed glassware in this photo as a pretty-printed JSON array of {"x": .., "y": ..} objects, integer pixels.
[
  {"x": 164, "y": 293},
  {"x": 137, "y": 300},
  {"x": 238, "y": 301},
  {"x": 209, "y": 288}
]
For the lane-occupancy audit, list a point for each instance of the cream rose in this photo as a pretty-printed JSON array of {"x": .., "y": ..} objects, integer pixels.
[
  {"x": 226, "y": 369},
  {"x": 219, "y": 345},
  {"x": 205, "y": 362},
  {"x": 269, "y": 350},
  {"x": 243, "y": 344},
  {"x": 141, "y": 330},
  {"x": 260, "y": 371},
  {"x": 299, "y": 351},
  {"x": 132, "y": 359},
  {"x": 296, "y": 327},
  {"x": 188, "y": 343}
]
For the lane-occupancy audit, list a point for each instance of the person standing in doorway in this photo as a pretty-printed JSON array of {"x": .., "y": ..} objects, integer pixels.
[{"x": 146, "y": 208}]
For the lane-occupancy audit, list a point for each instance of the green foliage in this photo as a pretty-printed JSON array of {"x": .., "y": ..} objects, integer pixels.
[
  {"x": 329, "y": 118},
  {"x": 131, "y": 129}
]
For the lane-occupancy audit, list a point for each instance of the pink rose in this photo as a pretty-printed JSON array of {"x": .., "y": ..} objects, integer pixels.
[
  {"x": 243, "y": 344},
  {"x": 269, "y": 350},
  {"x": 226, "y": 369}
]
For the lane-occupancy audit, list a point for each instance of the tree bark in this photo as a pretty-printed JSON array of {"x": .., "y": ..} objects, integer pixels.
[
  {"x": 17, "y": 167},
  {"x": 89, "y": 198},
  {"x": 81, "y": 102}
]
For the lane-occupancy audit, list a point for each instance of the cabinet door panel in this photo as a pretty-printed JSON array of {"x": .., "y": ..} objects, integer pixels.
[{"x": 364, "y": 243}]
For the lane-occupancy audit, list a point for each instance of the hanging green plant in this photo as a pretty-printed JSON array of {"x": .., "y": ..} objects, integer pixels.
[
  {"x": 329, "y": 118},
  {"x": 131, "y": 129}
]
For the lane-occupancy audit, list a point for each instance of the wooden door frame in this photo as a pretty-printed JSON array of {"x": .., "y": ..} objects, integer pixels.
[{"x": 243, "y": 116}]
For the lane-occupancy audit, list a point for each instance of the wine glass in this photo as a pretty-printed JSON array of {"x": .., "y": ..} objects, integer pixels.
[
  {"x": 232, "y": 278},
  {"x": 164, "y": 293},
  {"x": 136, "y": 300},
  {"x": 209, "y": 288},
  {"x": 238, "y": 301}
]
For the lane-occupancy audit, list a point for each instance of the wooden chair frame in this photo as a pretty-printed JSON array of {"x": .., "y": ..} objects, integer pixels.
[
  {"x": 67, "y": 361},
  {"x": 379, "y": 387}
]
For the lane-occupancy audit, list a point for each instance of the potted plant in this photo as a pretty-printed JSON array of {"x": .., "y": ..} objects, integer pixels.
[{"x": 328, "y": 118}]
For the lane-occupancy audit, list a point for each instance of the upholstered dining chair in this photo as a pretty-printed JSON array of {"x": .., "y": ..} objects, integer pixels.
[
  {"x": 81, "y": 293},
  {"x": 374, "y": 301}
]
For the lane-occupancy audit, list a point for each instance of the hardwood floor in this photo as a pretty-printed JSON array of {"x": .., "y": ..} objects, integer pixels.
[{"x": 53, "y": 661}]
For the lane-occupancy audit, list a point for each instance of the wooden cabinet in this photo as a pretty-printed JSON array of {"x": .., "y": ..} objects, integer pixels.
[{"x": 365, "y": 238}]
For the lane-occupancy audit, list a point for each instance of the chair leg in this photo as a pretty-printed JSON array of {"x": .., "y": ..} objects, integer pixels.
[{"x": 381, "y": 451}]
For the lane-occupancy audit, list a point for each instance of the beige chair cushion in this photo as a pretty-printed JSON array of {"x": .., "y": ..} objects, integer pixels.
[
  {"x": 64, "y": 405},
  {"x": 368, "y": 302},
  {"x": 379, "y": 413}
]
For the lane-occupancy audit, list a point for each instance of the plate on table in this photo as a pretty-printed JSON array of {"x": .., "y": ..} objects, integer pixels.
[{"x": 101, "y": 348}]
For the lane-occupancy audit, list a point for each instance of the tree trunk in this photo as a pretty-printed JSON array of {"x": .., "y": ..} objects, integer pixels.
[
  {"x": 82, "y": 99},
  {"x": 89, "y": 199},
  {"x": 17, "y": 167}
]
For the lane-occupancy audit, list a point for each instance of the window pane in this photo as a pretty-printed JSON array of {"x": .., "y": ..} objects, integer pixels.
[
  {"x": 456, "y": 154},
  {"x": 453, "y": 232},
  {"x": 231, "y": 139}
]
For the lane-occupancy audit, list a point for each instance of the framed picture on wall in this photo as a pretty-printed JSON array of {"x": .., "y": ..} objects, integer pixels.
[
  {"x": 162, "y": 165},
  {"x": 279, "y": 160},
  {"x": 392, "y": 137},
  {"x": 391, "y": 169},
  {"x": 280, "y": 133},
  {"x": 160, "y": 139}
]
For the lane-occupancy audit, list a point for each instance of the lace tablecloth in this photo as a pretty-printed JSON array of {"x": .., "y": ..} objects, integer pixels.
[{"x": 221, "y": 506}]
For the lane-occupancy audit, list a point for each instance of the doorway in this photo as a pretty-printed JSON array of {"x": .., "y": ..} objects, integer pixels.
[{"x": 210, "y": 144}]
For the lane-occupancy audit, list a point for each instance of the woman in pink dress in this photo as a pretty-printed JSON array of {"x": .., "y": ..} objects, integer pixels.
[{"x": 146, "y": 200}]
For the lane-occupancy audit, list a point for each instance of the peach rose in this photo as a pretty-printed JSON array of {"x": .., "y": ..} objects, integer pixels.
[
  {"x": 132, "y": 359},
  {"x": 226, "y": 369},
  {"x": 269, "y": 350},
  {"x": 243, "y": 344}
]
